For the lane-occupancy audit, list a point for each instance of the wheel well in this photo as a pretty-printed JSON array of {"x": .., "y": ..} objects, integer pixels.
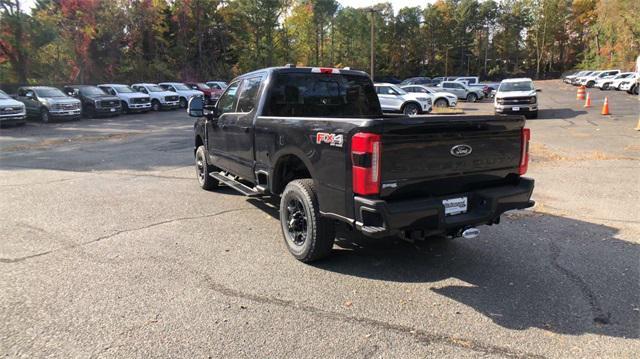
[
  {"x": 287, "y": 169},
  {"x": 198, "y": 144},
  {"x": 410, "y": 102},
  {"x": 443, "y": 99}
]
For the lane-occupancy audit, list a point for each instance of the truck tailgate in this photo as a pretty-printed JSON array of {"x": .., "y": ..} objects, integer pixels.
[{"x": 441, "y": 155}]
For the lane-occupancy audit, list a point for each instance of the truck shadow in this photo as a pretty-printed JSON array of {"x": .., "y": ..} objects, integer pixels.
[
  {"x": 540, "y": 271},
  {"x": 558, "y": 113}
]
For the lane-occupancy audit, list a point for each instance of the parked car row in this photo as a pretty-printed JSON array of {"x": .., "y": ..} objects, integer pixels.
[
  {"x": 606, "y": 80},
  {"x": 73, "y": 101}
]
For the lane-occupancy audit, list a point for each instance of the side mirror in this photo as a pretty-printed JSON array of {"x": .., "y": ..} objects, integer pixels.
[{"x": 196, "y": 107}]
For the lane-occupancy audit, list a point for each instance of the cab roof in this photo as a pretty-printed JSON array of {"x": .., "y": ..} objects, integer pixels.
[
  {"x": 519, "y": 79},
  {"x": 295, "y": 69}
]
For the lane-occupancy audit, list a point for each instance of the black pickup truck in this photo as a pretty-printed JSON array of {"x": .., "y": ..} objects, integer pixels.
[{"x": 316, "y": 137}]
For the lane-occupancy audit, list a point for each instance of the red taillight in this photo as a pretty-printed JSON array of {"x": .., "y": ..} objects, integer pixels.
[
  {"x": 365, "y": 158},
  {"x": 524, "y": 151}
]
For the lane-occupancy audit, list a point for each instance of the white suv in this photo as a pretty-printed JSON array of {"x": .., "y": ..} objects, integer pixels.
[
  {"x": 160, "y": 98},
  {"x": 394, "y": 99},
  {"x": 516, "y": 96},
  {"x": 131, "y": 100},
  {"x": 591, "y": 80},
  {"x": 183, "y": 90}
]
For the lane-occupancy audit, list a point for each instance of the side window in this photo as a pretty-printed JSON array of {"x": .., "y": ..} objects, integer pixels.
[
  {"x": 227, "y": 102},
  {"x": 142, "y": 89},
  {"x": 30, "y": 92},
  {"x": 215, "y": 87},
  {"x": 447, "y": 85},
  {"x": 458, "y": 86},
  {"x": 249, "y": 95}
]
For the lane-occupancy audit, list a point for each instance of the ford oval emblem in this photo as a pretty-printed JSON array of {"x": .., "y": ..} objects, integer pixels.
[{"x": 461, "y": 150}]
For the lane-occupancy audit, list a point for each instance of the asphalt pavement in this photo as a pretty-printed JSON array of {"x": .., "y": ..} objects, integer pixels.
[{"x": 110, "y": 249}]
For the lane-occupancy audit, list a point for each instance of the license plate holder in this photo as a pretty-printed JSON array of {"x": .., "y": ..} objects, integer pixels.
[
  {"x": 113, "y": 110},
  {"x": 453, "y": 206},
  {"x": 515, "y": 108}
]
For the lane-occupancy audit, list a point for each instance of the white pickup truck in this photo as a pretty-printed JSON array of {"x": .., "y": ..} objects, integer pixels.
[
  {"x": 160, "y": 98},
  {"x": 183, "y": 90},
  {"x": 461, "y": 90},
  {"x": 517, "y": 96}
]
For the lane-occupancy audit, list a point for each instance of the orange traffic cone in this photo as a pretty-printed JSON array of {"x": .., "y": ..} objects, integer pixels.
[
  {"x": 605, "y": 107},
  {"x": 581, "y": 91},
  {"x": 587, "y": 103},
  {"x": 638, "y": 125}
]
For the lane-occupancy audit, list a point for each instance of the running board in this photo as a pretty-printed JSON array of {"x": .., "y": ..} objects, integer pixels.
[{"x": 245, "y": 190}]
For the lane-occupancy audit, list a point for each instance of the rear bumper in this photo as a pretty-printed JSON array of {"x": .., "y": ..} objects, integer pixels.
[{"x": 379, "y": 218}]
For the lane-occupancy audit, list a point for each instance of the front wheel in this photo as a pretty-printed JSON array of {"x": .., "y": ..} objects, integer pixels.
[
  {"x": 590, "y": 84},
  {"x": 441, "y": 103},
  {"x": 183, "y": 102},
  {"x": 308, "y": 236},
  {"x": 604, "y": 87},
  {"x": 125, "y": 107},
  {"x": 155, "y": 105},
  {"x": 411, "y": 109},
  {"x": 44, "y": 115},
  {"x": 472, "y": 97},
  {"x": 203, "y": 168}
]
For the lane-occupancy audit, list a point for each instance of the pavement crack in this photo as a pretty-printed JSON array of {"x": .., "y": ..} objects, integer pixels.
[
  {"x": 117, "y": 233},
  {"x": 420, "y": 335},
  {"x": 599, "y": 315}
]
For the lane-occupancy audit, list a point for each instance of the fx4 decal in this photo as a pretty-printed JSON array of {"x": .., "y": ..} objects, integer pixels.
[{"x": 330, "y": 138}]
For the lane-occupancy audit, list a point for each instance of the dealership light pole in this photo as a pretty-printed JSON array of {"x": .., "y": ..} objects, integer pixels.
[{"x": 373, "y": 39}]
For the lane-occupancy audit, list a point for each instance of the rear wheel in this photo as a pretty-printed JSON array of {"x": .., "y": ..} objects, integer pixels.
[
  {"x": 203, "y": 168},
  {"x": 411, "y": 109},
  {"x": 472, "y": 97},
  {"x": 590, "y": 84},
  {"x": 441, "y": 103},
  {"x": 604, "y": 87},
  {"x": 308, "y": 236}
]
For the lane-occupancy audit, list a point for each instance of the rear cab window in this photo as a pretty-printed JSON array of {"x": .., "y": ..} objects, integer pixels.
[{"x": 306, "y": 94}]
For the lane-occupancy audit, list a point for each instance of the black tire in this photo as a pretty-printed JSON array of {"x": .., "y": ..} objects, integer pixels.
[
  {"x": 90, "y": 112},
  {"x": 44, "y": 115},
  {"x": 308, "y": 236},
  {"x": 590, "y": 84},
  {"x": 634, "y": 90},
  {"x": 203, "y": 168},
  {"x": 604, "y": 87},
  {"x": 183, "y": 102},
  {"x": 155, "y": 105},
  {"x": 441, "y": 102},
  {"x": 125, "y": 107},
  {"x": 472, "y": 97},
  {"x": 411, "y": 109}
]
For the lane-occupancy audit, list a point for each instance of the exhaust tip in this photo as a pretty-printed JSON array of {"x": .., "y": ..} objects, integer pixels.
[{"x": 470, "y": 233}]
